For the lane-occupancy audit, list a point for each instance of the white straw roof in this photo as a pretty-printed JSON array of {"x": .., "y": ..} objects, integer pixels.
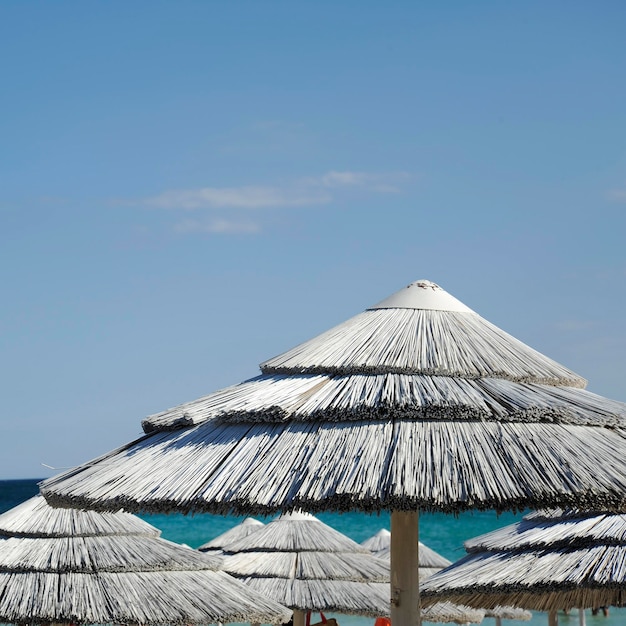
[
  {"x": 307, "y": 565},
  {"x": 247, "y": 527},
  {"x": 417, "y": 403},
  {"x": 35, "y": 518},
  {"x": 113, "y": 570},
  {"x": 545, "y": 562}
]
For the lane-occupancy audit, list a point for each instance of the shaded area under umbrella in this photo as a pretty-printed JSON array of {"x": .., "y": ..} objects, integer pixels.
[
  {"x": 83, "y": 567},
  {"x": 416, "y": 403}
]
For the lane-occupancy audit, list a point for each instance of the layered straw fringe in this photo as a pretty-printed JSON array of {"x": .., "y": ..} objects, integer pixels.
[
  {"x": 434, "y": 466},
  {"x": 391, "y": 396},
  {"x": 305, "y": 564},
  {"x": 413, "y": 341},
  {"x": 543, "y": 563},
  {"x": 416, "y": 403},
  {"x": 34, "y": 518},
  {"x": 112, "y": 573}
]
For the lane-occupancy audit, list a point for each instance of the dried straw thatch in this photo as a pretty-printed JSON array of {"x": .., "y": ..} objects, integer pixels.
[
  {"x": 547, "y": 562},
  {"x": 416, "y": 403},
  {"x": 307, "y": 565},
  {"x": 64, "y": 565},
  {"x": 216, "y": 545}
]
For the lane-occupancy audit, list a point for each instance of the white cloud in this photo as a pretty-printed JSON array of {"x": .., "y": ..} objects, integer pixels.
[
  {"x": 618, "y": 195},
  {"x": 229, "y": 207},
  {"x": 573, "y": 325},
  {"x": 218, "y": 226},
  {"x": 379, "y": 183},
  {"x": 237, "y": 198},
  {"x": 305, "y": 192}
]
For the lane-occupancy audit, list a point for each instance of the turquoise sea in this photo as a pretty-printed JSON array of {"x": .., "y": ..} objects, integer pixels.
[{"x": 443, "y": 533}]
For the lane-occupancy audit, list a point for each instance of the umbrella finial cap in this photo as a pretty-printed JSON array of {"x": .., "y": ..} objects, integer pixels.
[{"x": 423, "y": 294}]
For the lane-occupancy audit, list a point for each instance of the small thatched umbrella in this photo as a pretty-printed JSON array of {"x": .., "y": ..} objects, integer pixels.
[
  {"x": 83, "y": 567},
  {"x": 216, "y": 545},
  {"x": 549, "y": 561},
  {"x": 416, "y": 403},
  {"x": 431, "y": 562},
  {"x": 307, "y": 565}
]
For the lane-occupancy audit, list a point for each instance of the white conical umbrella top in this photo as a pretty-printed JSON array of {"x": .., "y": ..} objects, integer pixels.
[
  {"x": 380, "y": 545},
  {"x": 422, "y": 294}
]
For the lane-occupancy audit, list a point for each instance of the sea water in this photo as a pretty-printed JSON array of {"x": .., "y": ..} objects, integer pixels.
[{"x": 443, "y": 533}]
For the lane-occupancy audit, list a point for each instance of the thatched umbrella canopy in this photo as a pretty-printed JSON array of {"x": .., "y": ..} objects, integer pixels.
[
  {"x": 307, "y": 565},
  {"x": 416, "y": 403},
  {"x": 83, "y": 567},
  {"x": 217, "y": 544},
  {"x": 551, "y": 560},
  {"x": 431, "y": 562}
]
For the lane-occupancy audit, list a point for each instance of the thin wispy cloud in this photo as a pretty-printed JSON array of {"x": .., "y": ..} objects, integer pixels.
[
  {"x": 229, "y": 206},
  {"x": 617, "y": 195},
  {"x": 236, "y": 198},
  {"x": 574, "y": 325},
  {"x": 218, "y": 226},
  {"x": 305, "y": 192},
  {"x": 379, "y": 183}
]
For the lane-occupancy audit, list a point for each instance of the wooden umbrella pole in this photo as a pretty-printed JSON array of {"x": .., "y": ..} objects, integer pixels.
[
  {"x": 553, "y": 618},
  {"x": 581, "y": 617},
  {"x": 405, "y": 598},
  {"x": 298, "y": 617}
]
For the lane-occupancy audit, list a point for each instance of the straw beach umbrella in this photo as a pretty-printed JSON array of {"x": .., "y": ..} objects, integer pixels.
[
  {"x": 83, "y": 567},
  {"x": 310, "y": 567},
  {"x": 216, "y": 545},
  {"x": 430, "y": 561},
  {"x": 416, "y": 403},
  {"x": 307, "y": 565},
  {"x": 551, "y": 560}
]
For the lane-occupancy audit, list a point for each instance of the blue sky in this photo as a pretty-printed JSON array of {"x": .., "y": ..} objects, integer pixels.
[{"x": 189, "y": 188}]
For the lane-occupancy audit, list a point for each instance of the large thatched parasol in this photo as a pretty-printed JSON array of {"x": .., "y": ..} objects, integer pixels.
[
  {"x": 416, "y": 403},
  {"x": 549, "y": 561},
  {"x": 307, "y": 565},
  {"x": 83, "y": 567},
  {"x": 431, "y": 562}
]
